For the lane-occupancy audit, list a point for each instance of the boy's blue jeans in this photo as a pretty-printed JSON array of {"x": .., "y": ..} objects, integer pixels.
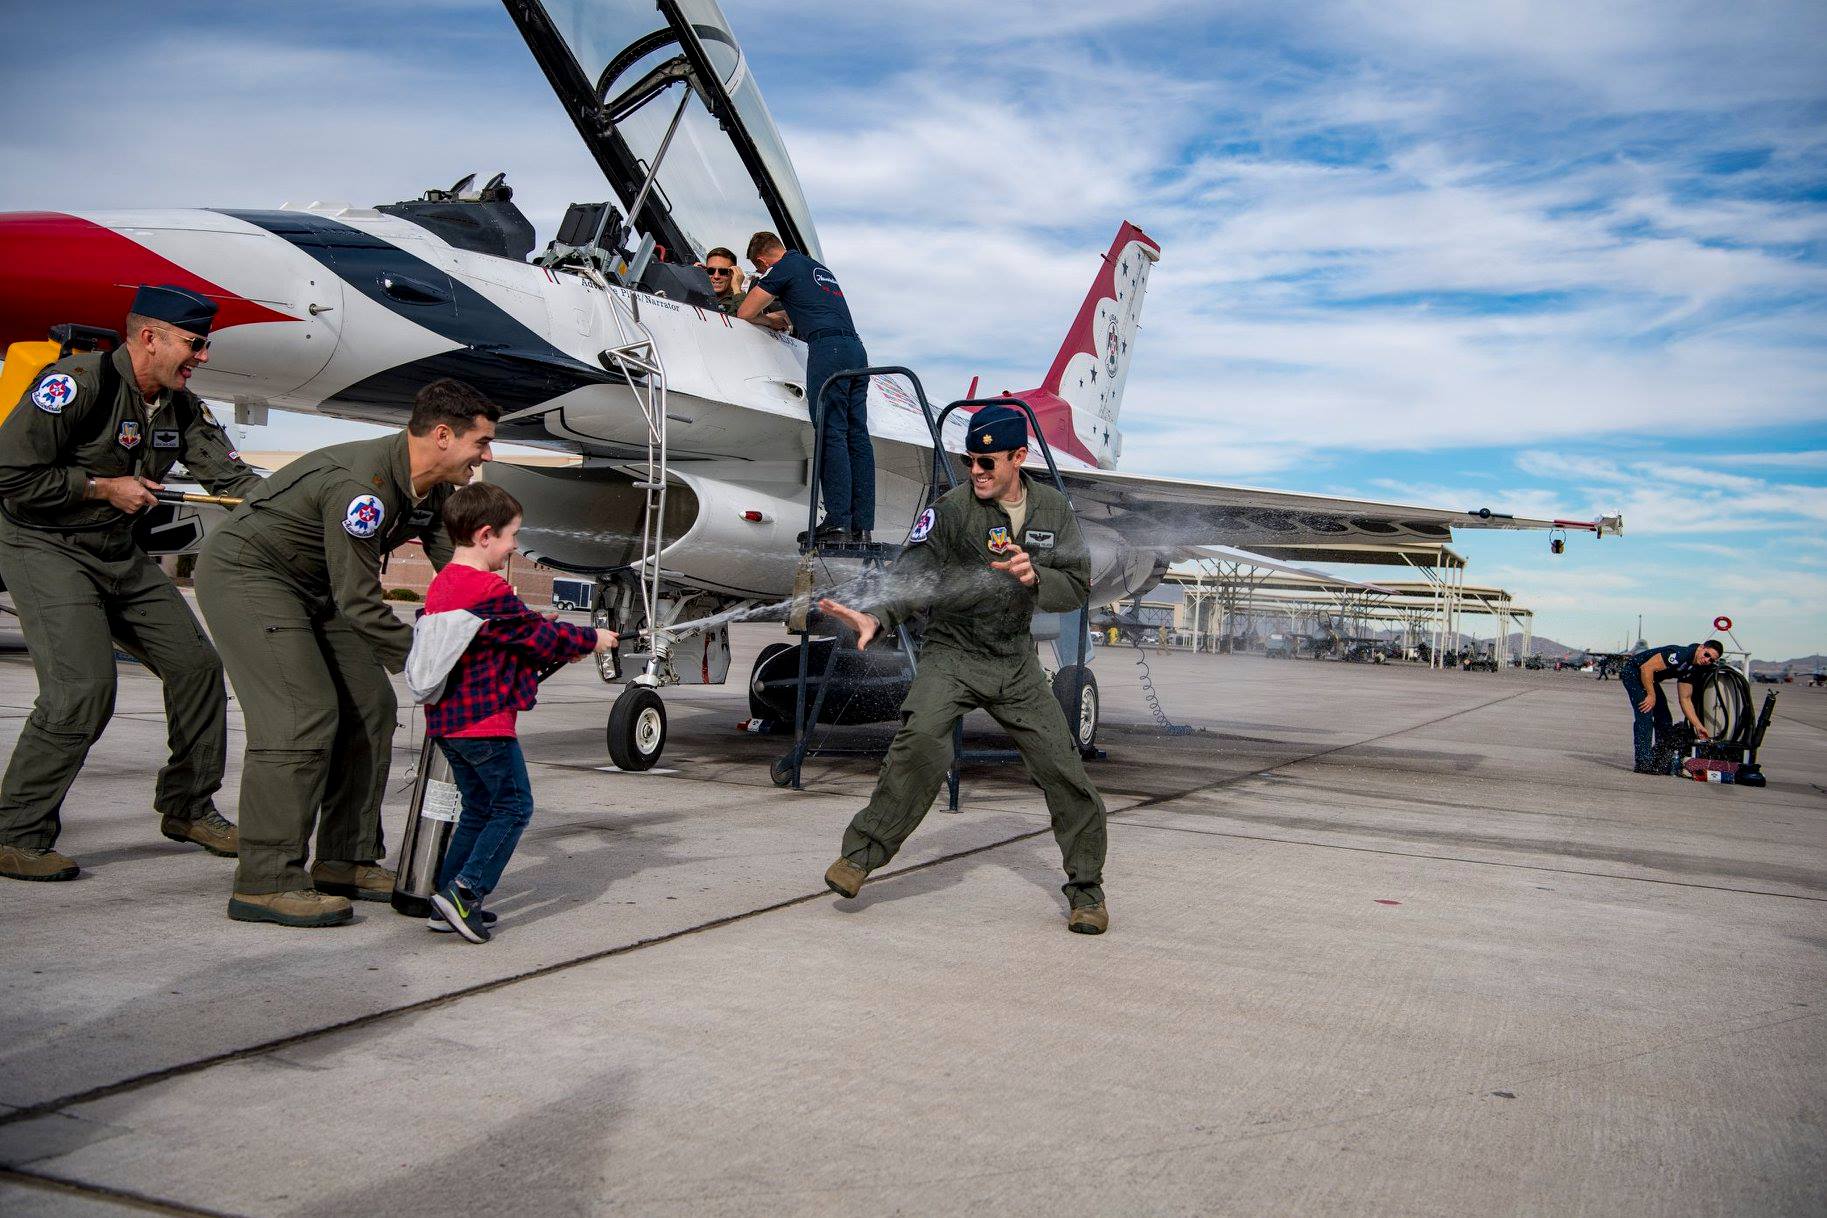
[{"x": 491, "y": 774}]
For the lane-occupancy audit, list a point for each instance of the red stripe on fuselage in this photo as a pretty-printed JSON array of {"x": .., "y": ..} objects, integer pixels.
[{"x": 57, "y": 268}]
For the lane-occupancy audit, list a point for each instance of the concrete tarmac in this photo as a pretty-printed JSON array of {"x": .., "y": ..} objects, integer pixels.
[{"x": 1383, "y": 941}]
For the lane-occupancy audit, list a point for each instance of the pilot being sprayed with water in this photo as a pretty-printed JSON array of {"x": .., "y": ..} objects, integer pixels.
[
  {"x": 815, "y": 304},
  {"x": 980, "y": 562}
]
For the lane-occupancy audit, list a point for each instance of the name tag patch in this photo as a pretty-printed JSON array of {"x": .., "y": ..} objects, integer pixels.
[
  {"x": 1039, "y": 540},
  {"x": 420, "y": 518},
  {"x": 164, "y": 437}
]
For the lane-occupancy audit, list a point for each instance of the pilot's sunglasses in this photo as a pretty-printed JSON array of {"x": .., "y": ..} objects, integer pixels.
[
  {"x": 986, "y": 464},
  {"x": 719, "y": 270},
  {"x": 197, "y": 345}
]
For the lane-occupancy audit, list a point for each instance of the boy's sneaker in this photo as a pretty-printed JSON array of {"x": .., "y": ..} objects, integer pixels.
[
  {"x": 437, "y": 925},
  {"x": 458, "y": 907}
]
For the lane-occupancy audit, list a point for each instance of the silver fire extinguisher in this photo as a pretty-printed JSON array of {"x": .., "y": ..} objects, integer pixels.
[{"x": 435, "y": 805}]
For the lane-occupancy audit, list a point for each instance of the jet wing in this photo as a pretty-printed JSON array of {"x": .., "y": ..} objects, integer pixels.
[{"x": 1164, "y": 513}]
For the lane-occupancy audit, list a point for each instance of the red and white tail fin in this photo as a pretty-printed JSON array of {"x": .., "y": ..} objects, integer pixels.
[{"x": 1078, "y": 402}]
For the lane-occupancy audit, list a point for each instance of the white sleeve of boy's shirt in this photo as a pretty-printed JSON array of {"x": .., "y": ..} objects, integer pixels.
[{"x": 438, "y": 642}]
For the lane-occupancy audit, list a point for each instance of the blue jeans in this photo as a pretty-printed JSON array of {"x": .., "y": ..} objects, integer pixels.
[
  {"x": 847, "y": 475},
  {"x": 491, "y": 774},
  {"x": 1646, "y": 728}
]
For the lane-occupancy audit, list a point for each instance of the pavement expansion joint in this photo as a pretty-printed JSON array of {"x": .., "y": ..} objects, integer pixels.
[
  {"x": 140, "y": 1081},
  {"x": 115, "y": 1196}
]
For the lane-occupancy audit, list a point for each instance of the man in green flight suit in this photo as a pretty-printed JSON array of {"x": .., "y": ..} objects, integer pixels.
[
  {"x": 291, "y": 589},
  {"x": 981, "y": 561},
  {"x": 80, "y": 456}
]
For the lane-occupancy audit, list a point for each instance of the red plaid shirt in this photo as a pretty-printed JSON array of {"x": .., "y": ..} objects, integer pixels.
[{"x": 499, "y": 674}]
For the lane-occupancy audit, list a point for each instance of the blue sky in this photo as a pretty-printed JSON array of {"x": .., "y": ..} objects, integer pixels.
[{"x": 1553, "y": 257}]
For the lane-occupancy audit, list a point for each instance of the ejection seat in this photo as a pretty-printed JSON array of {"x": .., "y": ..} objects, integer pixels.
[{"x": 590, "y": 235}]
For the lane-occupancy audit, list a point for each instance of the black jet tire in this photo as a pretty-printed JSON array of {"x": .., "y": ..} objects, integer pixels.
[
  {"x": 1081, "y": 704},
  {"x": 637, "y": 729},
  {"x": 757, "y": 708}
]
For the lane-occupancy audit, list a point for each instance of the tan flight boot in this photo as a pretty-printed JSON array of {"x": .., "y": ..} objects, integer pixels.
[
  {"x": 31, "y": 863},
  {"x": 212, "y": 831},
  {"x": 357, "y": 881},
  {"x": 1089, "y": 920},
  {"x": 845, "y": 878},
  {"x": 300, "y": 907}
]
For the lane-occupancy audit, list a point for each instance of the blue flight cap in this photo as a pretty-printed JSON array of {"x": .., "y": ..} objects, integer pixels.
[
  {"x": 175, "y": 306},
  {"x": 997, "y": 429}
]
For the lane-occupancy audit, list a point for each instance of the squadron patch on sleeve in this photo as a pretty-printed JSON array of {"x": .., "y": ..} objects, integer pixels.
[
  {"x": 54, "y": 392},
  {"x": 363, "y": 519},
  {"x": 923, "y": 527}
]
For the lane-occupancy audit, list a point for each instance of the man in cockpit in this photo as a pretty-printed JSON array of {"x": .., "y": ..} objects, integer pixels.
[
  {"x": 821, "y": 318},
  {"x": 726, "y": 279}
]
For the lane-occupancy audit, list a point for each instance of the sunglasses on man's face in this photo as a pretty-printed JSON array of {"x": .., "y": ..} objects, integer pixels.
[
  {"x": 986, "y": 464},
  {"x": 719, "y": 270},
  {"x": 197, "y": 345}
]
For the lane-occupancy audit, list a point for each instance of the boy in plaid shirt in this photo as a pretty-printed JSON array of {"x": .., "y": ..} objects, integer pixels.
[{"x": 496, "y": 677}]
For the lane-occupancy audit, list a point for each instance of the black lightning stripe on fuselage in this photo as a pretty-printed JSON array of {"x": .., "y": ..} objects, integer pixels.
[{"x": 497, "y": 354}]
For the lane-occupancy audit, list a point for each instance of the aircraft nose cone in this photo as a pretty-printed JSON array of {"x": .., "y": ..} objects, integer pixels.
[{"x": 57, "y": 268}]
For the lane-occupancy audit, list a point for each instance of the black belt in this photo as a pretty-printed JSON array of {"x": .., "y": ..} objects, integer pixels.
[
  {"x": 97, "y": 526},
  {"x": 818, "y": 334}
]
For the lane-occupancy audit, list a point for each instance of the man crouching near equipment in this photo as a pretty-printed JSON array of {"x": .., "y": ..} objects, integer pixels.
[
  {"x": 981, "y": 561},
  {"x": 291, "y": 589}
]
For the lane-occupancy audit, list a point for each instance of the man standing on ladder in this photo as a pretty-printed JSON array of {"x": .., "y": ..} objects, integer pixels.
[
  {"x": 981, "y": 562},
  {"x": 815, "y": 305}
]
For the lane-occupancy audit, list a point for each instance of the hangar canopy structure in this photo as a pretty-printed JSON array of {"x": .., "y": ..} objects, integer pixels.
[{"x": 1226, "y": 594}]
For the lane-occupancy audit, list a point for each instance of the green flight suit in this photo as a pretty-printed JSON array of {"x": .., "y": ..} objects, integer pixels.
[
  {"x": 291, "y": 589},
  {"x": 978, "y": 653},
  {"x": 83, "y": 586}
]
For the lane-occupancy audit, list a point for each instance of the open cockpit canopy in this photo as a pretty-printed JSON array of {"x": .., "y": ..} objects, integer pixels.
[{"x": 666, "y": 85}]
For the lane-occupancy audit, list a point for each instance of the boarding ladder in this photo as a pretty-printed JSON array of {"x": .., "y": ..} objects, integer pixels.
[{"x": 637, "y": 359}]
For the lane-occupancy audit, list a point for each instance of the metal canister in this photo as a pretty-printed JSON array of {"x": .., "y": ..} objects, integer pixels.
[{"x": 433, "y": 817}]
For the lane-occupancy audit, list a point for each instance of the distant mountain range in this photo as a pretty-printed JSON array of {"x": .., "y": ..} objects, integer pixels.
[
  {"x": 1551, "y": 650},
  {"x": 1802, "y": 666}
]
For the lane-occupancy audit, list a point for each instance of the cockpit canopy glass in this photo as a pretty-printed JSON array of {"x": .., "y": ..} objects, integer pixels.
[{"x": 635, "y": 55}]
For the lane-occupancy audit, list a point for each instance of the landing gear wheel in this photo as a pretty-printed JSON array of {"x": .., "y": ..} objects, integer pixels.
[
  {"x": 781, "y": 771},
  {"x": 637, "y": 729},
  {"x": 757, "y": 708},
  {"x": 1080, "y": 702}
]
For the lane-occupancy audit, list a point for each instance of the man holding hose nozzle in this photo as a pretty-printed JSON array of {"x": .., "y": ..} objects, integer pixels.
[
  {"x": 80, "y": 456},
  {"x": 981, "y": 562}
]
